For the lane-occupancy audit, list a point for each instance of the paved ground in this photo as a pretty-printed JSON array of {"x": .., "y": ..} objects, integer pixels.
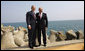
[
  {"x": 61, "y": 45},
  {"x": 78, "y": 46}
]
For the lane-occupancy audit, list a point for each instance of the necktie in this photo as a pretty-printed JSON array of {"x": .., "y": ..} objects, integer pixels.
[
  {"x": 40, "y": 16},
  {"x": 34, "y": 15}
]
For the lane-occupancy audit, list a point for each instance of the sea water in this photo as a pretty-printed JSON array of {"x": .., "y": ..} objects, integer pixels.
[{"x": 56, "y": 25}]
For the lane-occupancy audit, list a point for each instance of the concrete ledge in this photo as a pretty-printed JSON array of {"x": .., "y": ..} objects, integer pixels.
[
  {"x": 49, "y": 45},
  {"x": 63, "y": 43},
  {"x": 76, "y": 46}
]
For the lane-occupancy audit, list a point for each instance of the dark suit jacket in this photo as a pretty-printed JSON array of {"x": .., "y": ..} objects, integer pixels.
[
  {"x": 30, "y": 20},
  {"x": 43, "y": 22}
]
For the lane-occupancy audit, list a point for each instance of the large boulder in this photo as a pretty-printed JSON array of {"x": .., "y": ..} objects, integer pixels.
[
  {"x": 20, "y": 42},
  {"x": 2, "y": 25},
  {"x": 15, "y": 32},
  {"x": 4, "y": 29},
  {"x": 7, "y": 28},
  {"x": 23, "y": 29},
  {"x": 19, "y": 34},
  {"x": 2, "y": 33},
  {"x": 19, "y": 38},
  {"x": 80, "y": 34},
  {"x": 26, "y": 37},
  {"x": 60, "y": 36},
  {"x": 7, "y": 41},
  {"x": 52, "y": 36},
  {"x": 71, "y": 35}
]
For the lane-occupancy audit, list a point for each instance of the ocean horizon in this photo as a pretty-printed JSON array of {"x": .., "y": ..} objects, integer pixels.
[{"x": 56, "y": 25}]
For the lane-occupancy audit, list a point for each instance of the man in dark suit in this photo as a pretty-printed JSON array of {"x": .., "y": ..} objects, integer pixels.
[
  {"x": 42, "y": 23},
  {"x": 31, "y": 23}
]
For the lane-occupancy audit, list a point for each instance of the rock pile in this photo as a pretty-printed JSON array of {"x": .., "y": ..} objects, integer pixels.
[
  {"x": 71, "y": 35},
  {"x": 60, "y": 36},
  {"x": 7, "y": 41},
  {"x": 11, "y": 37},
  {"x": 80, "y": 34},
  {"x": 52, "y": 36}
]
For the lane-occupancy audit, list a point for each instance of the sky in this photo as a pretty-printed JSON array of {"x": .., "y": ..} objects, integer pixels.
[{"x": 15, "y": 11}]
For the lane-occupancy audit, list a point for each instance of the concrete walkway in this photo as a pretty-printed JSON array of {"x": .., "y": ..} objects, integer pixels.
[
  {"x": 77, "y": 46},
  {"x": 54, "y": 45}
]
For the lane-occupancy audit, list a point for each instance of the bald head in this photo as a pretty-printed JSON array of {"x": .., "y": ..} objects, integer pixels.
[
  {"x": 33, "y": 8},
  {"x": 40, "y": 9}
]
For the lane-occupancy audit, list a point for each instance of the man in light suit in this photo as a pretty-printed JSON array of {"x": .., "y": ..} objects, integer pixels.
[{"x": 42, "y": 23}]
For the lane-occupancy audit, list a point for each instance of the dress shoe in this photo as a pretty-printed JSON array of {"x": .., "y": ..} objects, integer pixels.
[
  {"x": 39, "y": 44},
  {"x": 44, "y": 45},
  {"x": 31, "y": 47},
  {"x": 35, "y": 45}
]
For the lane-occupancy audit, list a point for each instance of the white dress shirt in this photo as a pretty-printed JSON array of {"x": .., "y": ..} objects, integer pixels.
[{"x": 40, "y": 15}]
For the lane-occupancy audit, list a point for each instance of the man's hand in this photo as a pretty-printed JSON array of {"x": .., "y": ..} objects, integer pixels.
[
  {"x": 45, "y": 28},
  {"x": 29, "y": 27}
]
